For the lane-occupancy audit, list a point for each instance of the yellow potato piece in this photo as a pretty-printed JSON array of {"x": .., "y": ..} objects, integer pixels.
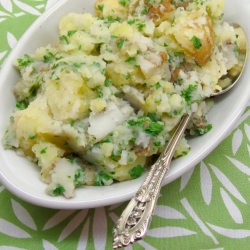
[
  {"x": 74, "y": 104},
  {"x": 193, "y": 31},
  {"x": 107, "y": 8}
]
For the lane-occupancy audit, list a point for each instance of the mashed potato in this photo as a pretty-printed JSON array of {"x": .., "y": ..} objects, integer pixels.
[{"x": 95, "y": 108}]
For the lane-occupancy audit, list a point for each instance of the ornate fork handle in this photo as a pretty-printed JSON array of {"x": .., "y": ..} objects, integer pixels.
[{"x": 136, "y": 217}]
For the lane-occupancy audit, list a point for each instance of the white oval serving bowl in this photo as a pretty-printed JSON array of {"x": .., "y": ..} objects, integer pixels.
[{"x": 21, "y": 177}]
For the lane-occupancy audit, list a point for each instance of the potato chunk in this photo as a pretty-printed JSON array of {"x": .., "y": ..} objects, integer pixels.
[
  {"x": 160, "y": 12},
  {"x": 194, "y": 32},
  {"x": 110, "y": 8}
]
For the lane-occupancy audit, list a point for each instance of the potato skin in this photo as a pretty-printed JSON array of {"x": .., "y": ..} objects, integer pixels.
[{"x": 195, "y": 24}]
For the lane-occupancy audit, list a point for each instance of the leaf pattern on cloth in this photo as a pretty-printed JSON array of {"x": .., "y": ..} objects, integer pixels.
[
  {"x": 3, "y": 54},
  {"x": 179, "y": 216},
  {"x": 7, "y": 5},
  {"x": 186, "y": 178},
  {"x": 12, "y": 230},
  {"x": 144, "y": 244},
  {"x": 1, "y": 188},
  {"x": 241, "y": 166},
  {"x": 100, "y": 228},
  {"x": 247, "y": 131},
  {"x": 23, "y": 215},
  {"x": 26, "y": 8},
  {"x": 73, "y": 224},
  {"x": 232, "y": 209},
  {"x": 230, "y": 233},
  {"x": 167, "y": 212},
  {"x": 170, "y": 232},
  {"x": 83, "y": 241},
  {"x": 11, "y": 40},
  {"x": 198, "y": 220},
  {"x": 237, "y": 141},
  {"x": 227, "y": 184},
  {"x": 48, "y": 246},
  {"x": 57, "y": 218},
  {"x": 206, "y": 183}
]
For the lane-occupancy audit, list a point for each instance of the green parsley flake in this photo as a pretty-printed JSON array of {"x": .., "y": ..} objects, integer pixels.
[
  {"x": 100, "y": 7},
  {"x": 141, "y": 26},
  {"x": 196, "y": 42},
  {"x": 79, "y": 178},
  {"x": 71, "y": 32},
  {"x": 144, "y": 11},
  {"x": 32, "y": 137},
  {"x": 136, "y": 171},
  {"x": 64, "y": 38},
  {"x": 43, "y": 151},
  {"x": 157, "y": 85},
  {"x": 98, "y": 91},
  {"x": 154, "y": 128},
  {"x": 58, "y": 190},
  {"x": 25, "y": 61},
  {"x": 149, "y": 126},
  {"x": 132, "y": 61},
  {"x": 21, "y": 105},
  {"x": 50, "y": 57},
  {"x": 131, "y": 21},
  {"x": 121, "y": 42},
  {"x": 202, "y": 131},
  {"x": 102, "y": 179},
  {"x": 107, "y": 82},
  {"x": 188, "y": 92},
  {"x": 124, "y": 2}
]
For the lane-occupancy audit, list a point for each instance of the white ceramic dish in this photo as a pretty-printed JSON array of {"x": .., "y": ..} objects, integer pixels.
[{"x": 22, "y": 178}]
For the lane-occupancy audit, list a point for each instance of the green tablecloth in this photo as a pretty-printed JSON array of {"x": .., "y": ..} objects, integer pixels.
[{"x": 207, "y": 208}]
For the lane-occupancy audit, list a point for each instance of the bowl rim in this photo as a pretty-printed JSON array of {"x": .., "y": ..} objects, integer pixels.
[{"x": 76, "y": 204}]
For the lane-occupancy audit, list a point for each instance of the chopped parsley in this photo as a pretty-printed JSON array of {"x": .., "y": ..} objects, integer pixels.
[
  {"x": 58, "y": 190},
  {"x": 116, "y": 155},
  {"x": 188, "y": 92},
  {"x": 132, "y": 61},
  {"x": 107, "y": 138},
  {"x": 64, "y": 38},
  {"x": 79, "y": 178},
  {"x": 102, "y": 179},
  {"x": 72, "y": 158},
  {"x": 100, "y": 7},
  {"x": 124, "y": 2},
  {"x": 121, "y": 42},
  {"x": 25, "y": 61},
  {"x": 21, "y": 105},
  {"x": 154, "y": 128},
  {"x": 131, "y": 21},
  {"x": 72, "y": 122},
  {"x": 154, "y": 117},
  {"x": 71, "y": 32},
  {"x": 202, "y": 131},
  {"x": 107, "y": 82},
  {"x": 111, "y": 19},
  {"x": 141, "y": 26},
  {"x": 157, "y": 144},
  {"x": 136, "y": 171},
  {"x": 32, "y": 137},
  {"x": 199, "y": 2},
  {"x": 149, "y": 126},
  {"x": 196, "y": 42},
  {"x": 98, "y": 91},
  {"x": 236, "y": 49},
  {"x": 43, "y": 150},
  {"x": 144, "y": 11},
  {"x": 157, "y": 85},
  {"x": 50, "y": 57}
]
